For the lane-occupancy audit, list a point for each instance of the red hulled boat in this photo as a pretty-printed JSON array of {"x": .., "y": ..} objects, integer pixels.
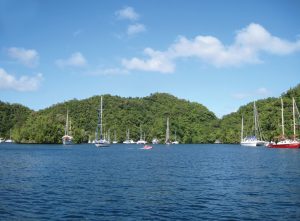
[{"x": 285, "y": 144}]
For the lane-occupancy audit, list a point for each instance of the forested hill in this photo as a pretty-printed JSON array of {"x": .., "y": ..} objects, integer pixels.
[
  {"x": 192, "y": 122},
  {"x": 269, "y": 111},
  {"x": 12, "y": 116}
]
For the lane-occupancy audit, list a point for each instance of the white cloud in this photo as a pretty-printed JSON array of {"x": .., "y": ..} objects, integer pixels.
[
  {"x": 135, "y": 29},
  {"x": 255, "y": 38},
  {"x": 27, "y": 57},
  {"x": 158, "y": 62},
  {"x": 249, "y": 44},
  {"x": 24, "y": 83},
  {"x": 127, "y": 13},
  {"x": 75, "y": 60},
  {"x": 108, "y": 71}
]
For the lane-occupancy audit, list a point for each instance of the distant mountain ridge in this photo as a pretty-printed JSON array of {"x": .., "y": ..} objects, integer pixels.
[{"x": 192, "y": 121}]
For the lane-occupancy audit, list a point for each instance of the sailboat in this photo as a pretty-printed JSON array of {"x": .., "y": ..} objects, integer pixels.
[
  {"x": 115, "y": 138},
  {"x": 155, "y": 141},
  {"x": 287, "y": 143},
  {"x": 9, "y": 140},
  {"x": 107, "y": 136},
  {"x": 167, "y": 141},
  {"x": 175, "y": 141},
  {"x": 67, "y": 139},
  {"x": 2, "y": 140},
  {"x": 141, "y": 141},
  {"x": 128, "y": 140},
  {"x": 100, "y": 141},
  {"x": 254, "y": 140}
]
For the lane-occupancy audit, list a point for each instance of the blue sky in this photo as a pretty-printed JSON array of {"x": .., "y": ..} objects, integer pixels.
[{"x": 222, "y": 54}]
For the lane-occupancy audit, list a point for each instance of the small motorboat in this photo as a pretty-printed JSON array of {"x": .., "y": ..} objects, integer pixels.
[{"x": 147, "y": 147}]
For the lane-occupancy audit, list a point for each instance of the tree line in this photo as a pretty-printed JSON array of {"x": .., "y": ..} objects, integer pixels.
[{"x": 192, "y": 121}]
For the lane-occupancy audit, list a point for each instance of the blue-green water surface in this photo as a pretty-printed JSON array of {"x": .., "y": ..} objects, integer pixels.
[{"x": 124, "y": 182}]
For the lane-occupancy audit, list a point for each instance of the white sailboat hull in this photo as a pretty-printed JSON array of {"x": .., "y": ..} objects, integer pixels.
[
  {"x": 102, "y": 143},
  {"x": 141, "y": 142},
  {"x": 155, "y": 141},
  {"x": 253, "y": 143},
  {"x": 129, "y": 142},
  {"x": 67, "y": 140}
]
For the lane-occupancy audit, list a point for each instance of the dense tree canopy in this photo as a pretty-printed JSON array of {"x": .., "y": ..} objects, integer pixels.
[
  {"x": 12, "y": 116},
  {"x": 192, "y": 122}
]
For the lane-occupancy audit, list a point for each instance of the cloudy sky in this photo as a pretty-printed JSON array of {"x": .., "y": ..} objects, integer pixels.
[{"x": 222, "y": 54}]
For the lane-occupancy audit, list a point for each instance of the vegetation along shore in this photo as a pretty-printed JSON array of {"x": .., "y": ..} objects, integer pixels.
[{"x": 193, "y": 122}]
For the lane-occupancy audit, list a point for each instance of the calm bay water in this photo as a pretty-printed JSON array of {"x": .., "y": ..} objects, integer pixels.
[{"x": 123, "y": 182}]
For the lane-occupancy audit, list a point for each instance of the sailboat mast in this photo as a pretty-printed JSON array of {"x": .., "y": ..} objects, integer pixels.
[
  {"x": 242, "y": 130},
  {"x": 255, "y": 118},
  {"x": 294, "y": 122},
  {"x": 99, "y": 123},
  {"x": 167, "y": 131},
  {"x": 70, "y": 129},
  {"x": 101, "y": 120},
  {"x": 67, "y": 124},
  {"x": 282, "y": 119}
]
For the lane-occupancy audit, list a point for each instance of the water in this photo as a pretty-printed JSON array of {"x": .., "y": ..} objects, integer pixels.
[{"x": 123, "y": 182}]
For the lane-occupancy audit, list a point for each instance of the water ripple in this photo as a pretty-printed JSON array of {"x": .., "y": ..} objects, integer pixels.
[{"x": 182, "y": 182}]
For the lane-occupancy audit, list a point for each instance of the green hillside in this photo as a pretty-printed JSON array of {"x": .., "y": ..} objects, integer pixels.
[
  {"x": 193, "y": 122},
  {"x": 12, "y": 116},
  {"x": 269, "y": 117}
]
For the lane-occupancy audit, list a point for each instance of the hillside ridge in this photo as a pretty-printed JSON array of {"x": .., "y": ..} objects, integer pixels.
[{"x": 192, "y": 121}]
